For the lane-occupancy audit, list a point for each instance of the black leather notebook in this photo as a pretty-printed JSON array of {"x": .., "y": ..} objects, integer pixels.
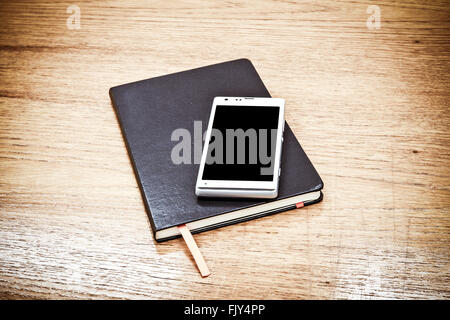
[{"x": 149, "y": 111}]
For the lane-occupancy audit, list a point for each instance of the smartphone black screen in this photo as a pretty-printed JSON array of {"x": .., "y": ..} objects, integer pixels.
[{"x": 242, "y": 143}]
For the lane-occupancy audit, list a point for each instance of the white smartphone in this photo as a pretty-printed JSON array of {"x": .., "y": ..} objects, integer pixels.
[{"x": 242, "y": 151}]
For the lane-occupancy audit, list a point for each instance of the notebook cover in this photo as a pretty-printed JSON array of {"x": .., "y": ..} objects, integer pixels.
[{"x": 150, "y": 110}]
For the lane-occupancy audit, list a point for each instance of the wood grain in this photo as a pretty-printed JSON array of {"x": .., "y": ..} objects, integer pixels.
[{"x": 370, "y": 107}]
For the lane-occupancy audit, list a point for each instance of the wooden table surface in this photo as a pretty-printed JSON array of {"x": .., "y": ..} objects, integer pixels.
[{"x": 370, "y": 107}]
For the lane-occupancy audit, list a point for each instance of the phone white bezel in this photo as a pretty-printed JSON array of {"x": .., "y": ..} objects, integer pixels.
[{"x": 240, "y": 185}]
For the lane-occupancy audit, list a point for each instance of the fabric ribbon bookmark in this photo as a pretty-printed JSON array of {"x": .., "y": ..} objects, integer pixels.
[{"x": 195, "y": 251}]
